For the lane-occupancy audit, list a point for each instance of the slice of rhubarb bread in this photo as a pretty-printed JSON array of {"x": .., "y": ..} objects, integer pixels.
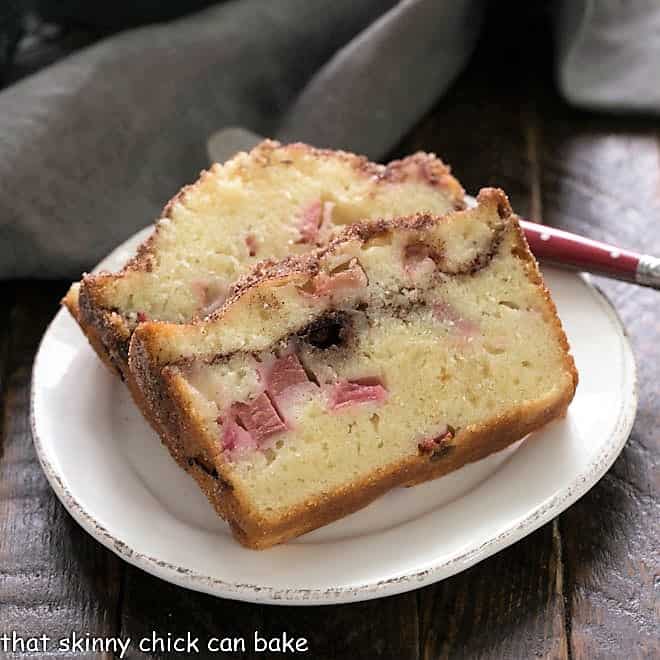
[
  {"x": 272, "y": 202},
  {"x": 401, "y": 351}
]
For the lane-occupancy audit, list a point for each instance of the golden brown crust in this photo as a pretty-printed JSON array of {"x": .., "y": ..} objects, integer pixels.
[
  {"x": 522, "y": 251},
  {"x": 420, "y": 165},
  {"x": 72, "y": 302},
  {"x": 109, "y": 329},
  {"x": 117, "y": 367},
  {"x": 183, "y": 431},
  {"x": 179, "y": 428}
]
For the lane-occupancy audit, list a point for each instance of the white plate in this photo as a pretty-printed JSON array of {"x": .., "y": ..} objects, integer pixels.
[{"x": 115, "y": 478}]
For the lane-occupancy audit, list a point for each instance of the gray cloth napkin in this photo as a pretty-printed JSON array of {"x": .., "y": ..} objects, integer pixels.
[
  {"x": 608, "y": 55},
  {"x": 93, "y": 146}
]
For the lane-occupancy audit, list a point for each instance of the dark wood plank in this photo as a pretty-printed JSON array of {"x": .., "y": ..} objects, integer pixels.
[
  {"x": 150, "y": 604},
  {"x": 54, "y": 578},
  {"x": 601, "y": 177},
  {"x": 7, "y": 292},
  {"x": 386, "y": 628},
  {"x": 508, "y": 606}
]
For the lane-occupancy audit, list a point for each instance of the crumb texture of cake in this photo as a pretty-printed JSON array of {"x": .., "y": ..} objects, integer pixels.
[
  {"x": 270, "y": 203},
  {"x": 401, "y": 351}
]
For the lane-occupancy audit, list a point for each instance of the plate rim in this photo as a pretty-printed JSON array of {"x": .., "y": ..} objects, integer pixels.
[{"x": 439, "y": 570}]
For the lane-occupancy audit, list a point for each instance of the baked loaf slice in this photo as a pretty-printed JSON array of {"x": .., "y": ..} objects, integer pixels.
[
  {"x": 401, "y": 351},
  {"x": 272, "y": 202}
]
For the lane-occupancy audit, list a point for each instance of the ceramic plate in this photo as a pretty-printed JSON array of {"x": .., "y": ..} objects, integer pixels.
[{"x": 111, "y": 472}]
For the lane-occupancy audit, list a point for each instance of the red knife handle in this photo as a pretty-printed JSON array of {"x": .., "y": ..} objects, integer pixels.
[{"x": 566, "y": 249}]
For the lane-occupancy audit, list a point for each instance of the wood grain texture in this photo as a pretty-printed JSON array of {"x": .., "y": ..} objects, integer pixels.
[
  {"x": 386, "y": 628},
  {"x": 601, "y": 177},
  {"x": 54, "y": 578},
  {"x": 509, "y": 606}
]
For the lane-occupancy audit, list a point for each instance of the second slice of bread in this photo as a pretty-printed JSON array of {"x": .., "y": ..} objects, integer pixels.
[{"x": 275, "y": 201}]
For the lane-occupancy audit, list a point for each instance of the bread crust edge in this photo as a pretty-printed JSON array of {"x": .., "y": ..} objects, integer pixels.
[{"x": 182, "y": 431}]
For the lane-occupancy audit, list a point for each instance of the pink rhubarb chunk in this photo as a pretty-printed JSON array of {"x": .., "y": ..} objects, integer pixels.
[
  {"x": 353, "y": 392},
  {"x": 429, "y": 445},
  {"x": 259, "y": 417},
  {"x": 310, "y": 222},
  {"x": 417, "y": 259},
  {"x": 346, "y": 280},
  {"x": 286, "y": 372},
  {"x": 235, "y": 437},
  {"x": 251, "y": 244}
]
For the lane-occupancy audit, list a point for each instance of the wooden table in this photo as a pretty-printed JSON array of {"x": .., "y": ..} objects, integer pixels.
[{"x": 584, "y": 586}]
